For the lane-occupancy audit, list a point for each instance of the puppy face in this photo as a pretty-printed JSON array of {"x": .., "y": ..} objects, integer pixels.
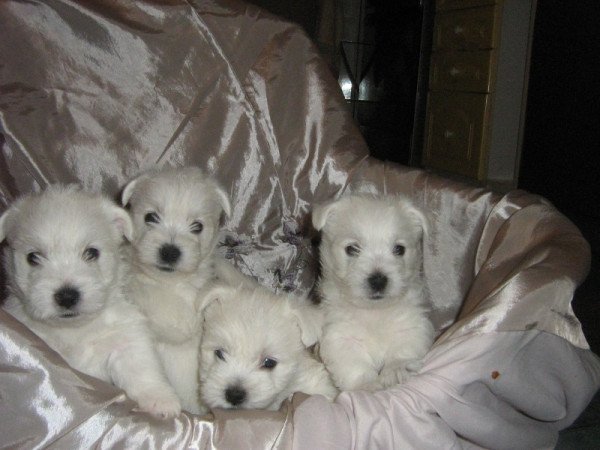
[
  {"x": 371, "y": 248},
  {"x": 250, "y": 350},
  {"x": 63, "y": 251},
  {"x": 176, "y": 216}
]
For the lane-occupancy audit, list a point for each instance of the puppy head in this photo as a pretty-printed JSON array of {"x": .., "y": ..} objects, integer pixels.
[
  {"x": 63, "y": 251},
  {"x": 176, "y": 216},
  {"x": 371, "y": 248},
  {"x": 250, "y": 350}
]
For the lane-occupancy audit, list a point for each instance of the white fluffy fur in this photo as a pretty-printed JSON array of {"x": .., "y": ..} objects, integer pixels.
[
  {"x": 101, "y": 334},
  {"x": 248, "y": 326},
  {"x": 372, "y": 338},
  {"x": 172, "y": 295}
]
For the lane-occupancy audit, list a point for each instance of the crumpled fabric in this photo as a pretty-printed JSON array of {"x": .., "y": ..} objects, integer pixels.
[
  {"x": 94, "y": 92},
  {"x": 475, "y": 392}
]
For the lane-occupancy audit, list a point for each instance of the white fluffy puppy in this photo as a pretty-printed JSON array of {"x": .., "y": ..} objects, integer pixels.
[
  {"x": 65, "y": 276},
  {"x": 253, "y": 351},
  {"x": 176, "y": 215},
  {"x": 376, "y": 327}
]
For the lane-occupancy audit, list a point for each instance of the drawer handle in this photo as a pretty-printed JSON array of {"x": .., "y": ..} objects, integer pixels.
[
  {"x": 454, "y": 72},
  {"x": 458, "y": 29},
  {"x": 448, "y": 134}
]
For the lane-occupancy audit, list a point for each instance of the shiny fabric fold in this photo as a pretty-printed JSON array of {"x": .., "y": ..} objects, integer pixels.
[
  {"x": 95, "y": 91},
  {"x": 475, "y": 392}
]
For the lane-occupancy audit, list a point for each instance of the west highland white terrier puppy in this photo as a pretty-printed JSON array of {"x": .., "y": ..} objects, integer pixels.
[
  {"x": 376, "y": 328},
  {"x": 65, "y": 278},
  {"x": 254, "y": 350},
  {"x": 176, "y": 215}
]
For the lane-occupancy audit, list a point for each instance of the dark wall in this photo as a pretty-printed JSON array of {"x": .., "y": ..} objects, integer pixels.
[
  {"x": 561, "y": 148},
  {"x": 303, "y": 12}
]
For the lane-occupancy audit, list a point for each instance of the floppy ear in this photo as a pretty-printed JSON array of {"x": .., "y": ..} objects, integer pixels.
[
  {"x": 309, "y": 319},
  {"x": 320, "y": 214},
  {"x": 223, "y": 200},
  {"x": 120, "y": 219},
  {"x": 130, "y": 188},
  {"x": 417, "y": 216},
  {"x": 212, "y": 298},
  {"x": 231, "y": 276},
  {"x": 7, "y": 218},
  {"x": 4, "y": 219}
]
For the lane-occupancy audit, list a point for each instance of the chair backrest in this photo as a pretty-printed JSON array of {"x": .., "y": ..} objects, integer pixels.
[{"x": 235, "y": 91}]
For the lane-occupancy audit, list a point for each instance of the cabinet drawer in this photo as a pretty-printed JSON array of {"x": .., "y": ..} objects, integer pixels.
[
  {"x": 457, "y": 133},
  {"x": 444, "y": 5},
  {"x": 469, "y": 29},
  {"x": 463, "y": 71}
]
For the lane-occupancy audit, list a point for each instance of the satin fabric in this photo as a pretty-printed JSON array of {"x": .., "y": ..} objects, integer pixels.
[{"x": 96, "y": 91}]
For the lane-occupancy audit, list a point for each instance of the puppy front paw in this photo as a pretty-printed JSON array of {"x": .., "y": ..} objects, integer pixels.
[
  {"x": 398, "y": 373},
  {"x": 371, "y": 386},
  {"x": 161, "y": 404}
]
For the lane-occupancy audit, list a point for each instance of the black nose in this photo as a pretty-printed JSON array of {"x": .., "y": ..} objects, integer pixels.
[
  {"x": 67, "y": 297},
  {"x": 377, "y": 281},
  {"x": 235, "y": 395},
  {"x": 169, "y": 253}
]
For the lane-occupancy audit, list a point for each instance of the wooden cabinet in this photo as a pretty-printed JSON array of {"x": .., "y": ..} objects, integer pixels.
[
  {"x": 477, "y": 86},
  {"x": 456, "y": 130},
  {"x": 467, "y": 29},
  {"x": 463, "y": 71},
  {"x": 444, "y": 5}
]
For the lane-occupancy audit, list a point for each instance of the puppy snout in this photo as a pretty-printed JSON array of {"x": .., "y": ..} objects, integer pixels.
[
  {"x": 67, "y": 297},
  {"x": 377, "y": 282},
  {"x": 235, "y": 395},
  {"x": 169, "y": 253}
]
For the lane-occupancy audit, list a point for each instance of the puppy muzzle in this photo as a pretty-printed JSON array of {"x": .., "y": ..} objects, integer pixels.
[
  {"x": 168, "y": 256},
  {"x": 67, "y": 297},
  {"x": 235, "y": 396},
  {"x": 377, "y": 283}
]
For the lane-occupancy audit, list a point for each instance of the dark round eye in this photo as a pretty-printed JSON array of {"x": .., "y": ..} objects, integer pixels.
[
  {"x": 151, "y": 217},
  {"x": 352, "y": 250},
  {"x": 91, "y": 254},
  {"x": 196, "y": 227},
  {"x": 33, "y": 258},
  {"x": 399, "y": 250},
  {"x": 219, "y": 354},
  {"x": 269, "y": 363}
]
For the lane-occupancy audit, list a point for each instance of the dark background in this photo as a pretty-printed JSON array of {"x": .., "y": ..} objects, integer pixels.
[{"x": 561, "y": 146}]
